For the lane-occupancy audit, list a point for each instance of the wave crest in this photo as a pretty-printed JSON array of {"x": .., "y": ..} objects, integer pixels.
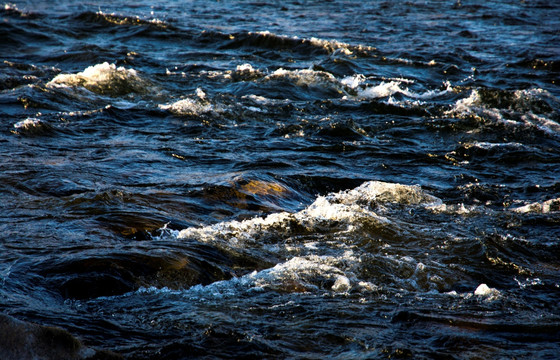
[{"x": 104, "y": 79}]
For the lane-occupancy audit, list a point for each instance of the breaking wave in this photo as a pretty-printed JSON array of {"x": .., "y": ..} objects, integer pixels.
[{"x": 104, "y": 79}]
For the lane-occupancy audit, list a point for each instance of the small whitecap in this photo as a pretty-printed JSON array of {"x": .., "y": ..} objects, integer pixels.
[
  {"x": 245, "y": 67},
  {"x": 484, "y": 290},
  {"x": 353, "y": 81},
  {"x": 31, "y": 126},
  {"x": 379, "y": 91},
  {"x": 342, "y": 284},
  {"x": 388, "y": 89},
  {"x": 465, "y": 105},
  {"x": 200, "y": 93},
  {"x": 189, "y": 107},
  {"x": 28, "y": 124},
  {"x": 105, "y": 78},
  {"x": 544, "y": 207},
  {"x": 308, "y": 77}
]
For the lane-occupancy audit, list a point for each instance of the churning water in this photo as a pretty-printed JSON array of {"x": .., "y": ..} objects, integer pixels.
[{"x": 280, "y": 179}]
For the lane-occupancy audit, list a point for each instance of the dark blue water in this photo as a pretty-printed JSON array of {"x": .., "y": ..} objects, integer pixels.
[{"x": 244, "y": 179}]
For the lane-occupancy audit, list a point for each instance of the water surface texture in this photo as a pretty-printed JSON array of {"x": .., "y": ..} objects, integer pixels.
[{"x": 280, "y": 179}]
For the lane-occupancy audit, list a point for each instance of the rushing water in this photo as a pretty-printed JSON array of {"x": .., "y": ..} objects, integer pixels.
[{"x": 283, "y": 179}]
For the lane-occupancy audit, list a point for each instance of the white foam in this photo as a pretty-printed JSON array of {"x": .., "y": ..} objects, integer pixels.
[
  {"x": 236, "y": 232},
  {"x": 245, "y": 68},
  {"x": 487, "y": 145},
  {"x": 28, "y": 124},
  {"x": 383, "y": 192},
  {"x": 303, "y": 274},
  {"x": 31, "y": 126},
  {"x": 307, "y": 77},
  {"x": 197, "y": 104},
  {"x": 330, "y": 46},
  {"x": 474, "y": 106},
  {"x": 298, "y": 274},
  {"x": 309, "y": 262},
  {"x": 487, "y": 292},
  {"x": 354, "y": 87},
  {"x": 455, "y": 209},
  {"x": 544, "y": 207},
  {"x": 200, "y": 93},
  {"x": 543, "y": 123},
  {"x": 382, "y": 90},
  {"x": 345, "y": 206},
  {"x": 465, "y": 106},
  {"x": 387, "y": 89},
  {"x": 342, "y": 284},
  {"x": 188, "y": 107},
  {"x": 353, "y": 81},
  {"x": 528, "y": 282},
  {"x": 103, "y": 78}
]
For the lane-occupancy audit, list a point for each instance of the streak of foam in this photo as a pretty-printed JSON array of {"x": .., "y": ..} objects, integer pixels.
[
  {"x": 386, "y": 89},
  {"x": 296, "y": 275},
  {"x": 331, "y": 46}
]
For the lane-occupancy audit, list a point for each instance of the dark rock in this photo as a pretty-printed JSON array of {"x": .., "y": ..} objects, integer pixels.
[{"x": 20, "y": 340}]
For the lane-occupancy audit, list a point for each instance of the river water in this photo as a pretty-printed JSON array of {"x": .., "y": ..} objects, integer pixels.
[{"x": 283, "y": 179}]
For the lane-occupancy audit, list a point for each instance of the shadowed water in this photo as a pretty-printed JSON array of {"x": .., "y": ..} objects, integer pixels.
[{"x": 243, "y": 179}]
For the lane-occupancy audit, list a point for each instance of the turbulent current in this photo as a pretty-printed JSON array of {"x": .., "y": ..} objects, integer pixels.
[{"x": 280, "y": 179}]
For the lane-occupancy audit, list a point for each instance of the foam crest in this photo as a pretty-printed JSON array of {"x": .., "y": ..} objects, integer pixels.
[
  {"x": 345, "y": 206},
  {"x": 383, "y": 192},
  {"x": 324, "y": 264},
  {"x": 195, "y": 105},
  {"x": 353, "y": 81},
  {"x": 189, "y": 107},
  {"x": 497, "y": 105},
  {"x": 352, "y": 87},
  {"x": 382, "y": 90},
  {"x": 31, "y": 126},
  {"x": 27, "y": 124},
  {"x": 486, "y": 292},
  {"x": 237, "y": 233},
  {"x": 329, "y": 46},
  {"x": 543, "y": 123},
  {"x": 10, "y": 6},
  {"x": 309, "y": 77},
  {"x": 489, "y": 146},
  {"x": 387, "y": 89},
  {"x": 299, "y": 274},
  {"x": 105, "y": 79},
  {"x": 473, "y": 106},
  {"x": 310, "y": 273},
  {"x": 246, "y": 72},
  {"x": 544, "y": 207}
]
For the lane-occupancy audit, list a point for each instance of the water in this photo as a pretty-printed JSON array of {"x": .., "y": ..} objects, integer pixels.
[{"x": 242, "y": 179}]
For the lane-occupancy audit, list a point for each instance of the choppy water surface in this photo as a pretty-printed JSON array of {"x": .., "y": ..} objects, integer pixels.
[{"x": 294, "y": 179}]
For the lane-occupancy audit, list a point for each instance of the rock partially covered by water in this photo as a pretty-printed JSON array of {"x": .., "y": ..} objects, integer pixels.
[{"x": 24, "y": 340}]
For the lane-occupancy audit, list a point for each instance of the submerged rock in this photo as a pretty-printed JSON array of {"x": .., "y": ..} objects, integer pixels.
[{"x": 24, "y": 340}]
